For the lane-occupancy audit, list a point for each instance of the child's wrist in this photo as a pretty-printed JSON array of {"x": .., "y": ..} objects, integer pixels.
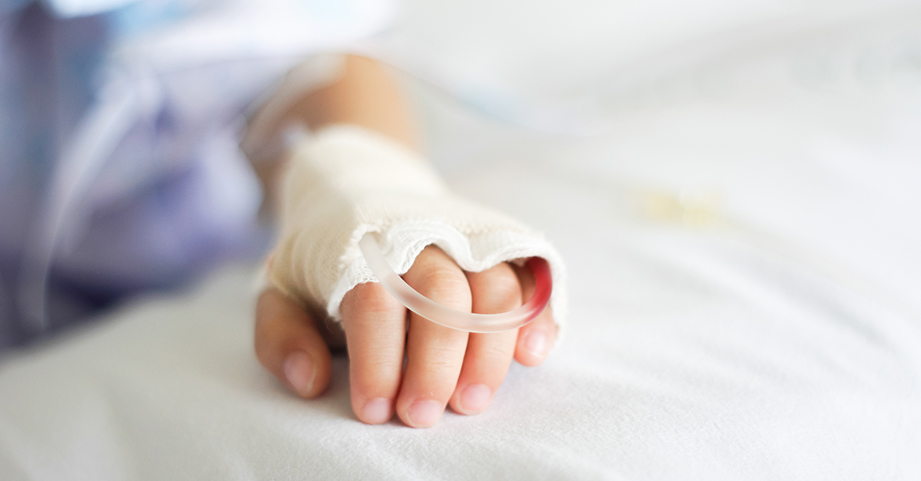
[{"x": 347, "y": 181}]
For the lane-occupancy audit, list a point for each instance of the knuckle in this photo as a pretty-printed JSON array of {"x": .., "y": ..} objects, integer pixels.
[
  {"x": 265, "y": 350},
  {"x": 437, "y": 369},
  {"x": 380, "y": 362},
  {"x": 446, "y": 284},
  {"x": 375, "y": 374},
  {"x": 496, "y": 352},
  {"x": 370, "y": 298},
  {"x": 375, "y": 386},
  {"x": 496, "y": 290}
]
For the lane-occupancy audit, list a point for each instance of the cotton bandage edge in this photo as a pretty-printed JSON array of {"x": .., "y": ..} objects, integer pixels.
[{"x": 347, "y": 181}]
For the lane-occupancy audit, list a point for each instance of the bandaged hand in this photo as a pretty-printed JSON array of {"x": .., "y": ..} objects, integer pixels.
[{"x": 344, "y": 183}]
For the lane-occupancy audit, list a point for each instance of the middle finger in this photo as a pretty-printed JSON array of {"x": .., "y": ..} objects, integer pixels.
[{"x": 434, "y": 353}]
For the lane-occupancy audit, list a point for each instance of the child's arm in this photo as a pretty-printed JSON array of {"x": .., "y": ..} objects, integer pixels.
[{"x": 443, "y": 365}]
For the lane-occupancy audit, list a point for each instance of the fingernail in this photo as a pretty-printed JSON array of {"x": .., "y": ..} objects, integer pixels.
[
  {"x": 425, "y": 413},
  {"x": 536, "y": 343},
  {"x": 376, "y": 411},
  {"x": 475, "y": 398},
  {"x": 300, "y": 372}
]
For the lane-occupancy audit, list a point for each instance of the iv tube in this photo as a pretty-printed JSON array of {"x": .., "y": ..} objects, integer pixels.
[{"x": 447, "y": 317}]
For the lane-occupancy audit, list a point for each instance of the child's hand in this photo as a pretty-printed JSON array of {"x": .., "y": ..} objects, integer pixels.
[
  {"x": 442, "y": 365},
  {"x": 361, "y": 172}
]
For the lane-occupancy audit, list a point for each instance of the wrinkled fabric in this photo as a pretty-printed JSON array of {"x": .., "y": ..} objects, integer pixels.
[
  {"x": 119, "y": 123},
  {"x": 347, "y": 182}
]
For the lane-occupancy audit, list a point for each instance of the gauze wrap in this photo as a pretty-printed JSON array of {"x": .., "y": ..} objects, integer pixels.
[{"x": 346, "y": 181}]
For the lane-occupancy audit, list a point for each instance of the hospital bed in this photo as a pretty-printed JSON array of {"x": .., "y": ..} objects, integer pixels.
[{"x": 736, "y": 195}]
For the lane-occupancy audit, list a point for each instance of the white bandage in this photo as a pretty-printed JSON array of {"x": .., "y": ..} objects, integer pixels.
[{"x": 347, "y": 181}]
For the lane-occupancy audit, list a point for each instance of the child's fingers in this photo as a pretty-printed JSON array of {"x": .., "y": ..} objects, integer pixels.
[
  {"x": 435, "y": 353},
  {"x": 488, "y": 355},
  {"x": 289, "y": 345},
  {"x": 375, "y": 329},
  {"x": 536, "y": 338}
]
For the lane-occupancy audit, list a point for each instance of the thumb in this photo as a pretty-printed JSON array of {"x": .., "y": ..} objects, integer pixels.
[{"x": 290, "y": 346}]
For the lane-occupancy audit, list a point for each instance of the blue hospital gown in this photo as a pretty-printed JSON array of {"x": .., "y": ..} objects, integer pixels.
[{"x": 153, "y": 94}]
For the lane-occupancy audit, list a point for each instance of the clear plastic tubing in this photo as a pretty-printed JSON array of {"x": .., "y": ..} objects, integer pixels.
[{"x": 463, "y": 321}]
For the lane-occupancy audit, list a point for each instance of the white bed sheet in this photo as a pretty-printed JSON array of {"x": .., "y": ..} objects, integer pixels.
[{"x": 780, "y": 341}]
